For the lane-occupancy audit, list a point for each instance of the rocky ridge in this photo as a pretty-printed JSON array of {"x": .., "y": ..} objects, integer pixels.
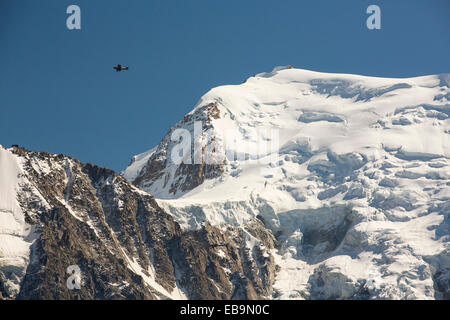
[{"x": 125, "y": 245}]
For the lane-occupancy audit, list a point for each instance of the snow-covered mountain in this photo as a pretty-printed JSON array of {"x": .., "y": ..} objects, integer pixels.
[
  {"x": 292, "y": 185},
  {"x": 57, "y": 214},
  {"x": 350, "y": 173}
]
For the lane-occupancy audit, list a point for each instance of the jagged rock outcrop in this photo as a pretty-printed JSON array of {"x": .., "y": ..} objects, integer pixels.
[
  {"x": 160, "y": 173},
  {"x": 124, "y": 244},
  {"x": 238, "y": 260}
]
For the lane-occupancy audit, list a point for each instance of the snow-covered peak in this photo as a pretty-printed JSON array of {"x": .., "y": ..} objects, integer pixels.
[
  {"x": 308, "y": 111},
  {"x": 351, "y": 173}
]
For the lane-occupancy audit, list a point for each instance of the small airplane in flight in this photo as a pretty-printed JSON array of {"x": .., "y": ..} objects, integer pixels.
[{"x": 120, "y": 68}]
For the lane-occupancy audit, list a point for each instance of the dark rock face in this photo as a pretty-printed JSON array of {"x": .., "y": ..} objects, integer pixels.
[
  {"x": 186, "y": 176},
  {"x": 124, "y": 244},
  {"x": 442, "y": 283},
  {"x": 238, "y": 271}
]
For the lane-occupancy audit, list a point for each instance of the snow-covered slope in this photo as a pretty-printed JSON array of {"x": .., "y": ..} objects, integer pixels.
[
  {"x": 351, "y": 173},
  {"x": 16, "y": 235}
]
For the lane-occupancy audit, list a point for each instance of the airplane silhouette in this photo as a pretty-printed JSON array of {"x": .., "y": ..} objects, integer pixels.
[{"x": 120, "y": 68}]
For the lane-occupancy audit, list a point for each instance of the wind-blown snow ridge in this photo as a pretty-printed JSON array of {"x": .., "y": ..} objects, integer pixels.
[{"x": 358, "y": 196}]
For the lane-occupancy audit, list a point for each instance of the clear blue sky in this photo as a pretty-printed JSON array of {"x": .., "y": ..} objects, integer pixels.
[{"x": 59, "y": 93}]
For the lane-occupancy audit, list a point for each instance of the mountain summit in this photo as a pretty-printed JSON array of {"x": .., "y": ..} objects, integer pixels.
[
  {"x": 292, "y": 185},
  {"x": 350, "y": 173}
]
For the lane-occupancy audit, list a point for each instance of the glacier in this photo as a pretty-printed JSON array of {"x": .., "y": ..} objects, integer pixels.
[{"x": 356, "y": 189}]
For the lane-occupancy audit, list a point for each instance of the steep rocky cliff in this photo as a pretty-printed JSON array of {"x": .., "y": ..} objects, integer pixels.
[
  {"x": 163, "y": 176},
  {"x": 61, "y": 213}
]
